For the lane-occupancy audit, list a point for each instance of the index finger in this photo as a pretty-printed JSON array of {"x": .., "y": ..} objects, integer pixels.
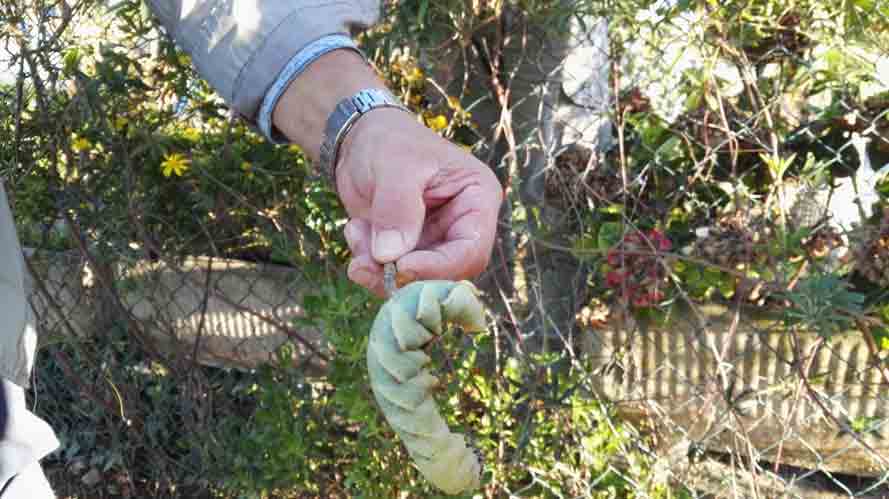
[{"x": 469, "y": 223}]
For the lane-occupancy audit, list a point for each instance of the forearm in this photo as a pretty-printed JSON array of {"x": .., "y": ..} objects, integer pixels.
[{"x": 244, "y": 48}]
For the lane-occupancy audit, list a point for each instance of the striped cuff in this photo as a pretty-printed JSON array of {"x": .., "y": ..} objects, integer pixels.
[{"x": 294, "y": 68}]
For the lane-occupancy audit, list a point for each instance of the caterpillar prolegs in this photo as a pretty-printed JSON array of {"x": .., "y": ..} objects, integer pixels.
[{"x": 402, "y": 386}]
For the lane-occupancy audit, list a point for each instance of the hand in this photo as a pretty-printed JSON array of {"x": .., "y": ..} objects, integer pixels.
[{"x": 415, "y": 199}]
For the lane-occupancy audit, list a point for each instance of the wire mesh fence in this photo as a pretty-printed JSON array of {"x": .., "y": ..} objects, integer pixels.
[{"x": 687, "y": 294}]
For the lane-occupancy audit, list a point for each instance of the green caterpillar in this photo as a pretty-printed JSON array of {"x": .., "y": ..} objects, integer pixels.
[{"x": 410, "y": 319}]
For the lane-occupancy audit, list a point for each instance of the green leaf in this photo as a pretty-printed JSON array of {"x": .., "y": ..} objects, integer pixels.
[
  {"x": 834, "y": 58},
  {"x": 71, "y": 61},
  {"x": 884, "y": 312},
  {"x": 670, "y": 149},
  {"x": 584, "y": 247},
  {"x": 726, "y": 286},
  {"x": 881, "y": 337},
  {"x": 822, "y": 303},
  {"x": 610, "y": 233},
  {"x": 612, "y": 209},
  {"x": 421, "y": 13}
]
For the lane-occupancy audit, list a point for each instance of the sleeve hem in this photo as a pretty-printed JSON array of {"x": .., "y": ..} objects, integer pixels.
[{"x": 296, "y": 66}]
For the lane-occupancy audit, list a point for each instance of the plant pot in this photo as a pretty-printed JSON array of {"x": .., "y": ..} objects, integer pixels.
[{"x": 229, "y": 313}]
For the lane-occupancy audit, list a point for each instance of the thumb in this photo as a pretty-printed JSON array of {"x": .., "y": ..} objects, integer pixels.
[{"x": 397, "y": 215}]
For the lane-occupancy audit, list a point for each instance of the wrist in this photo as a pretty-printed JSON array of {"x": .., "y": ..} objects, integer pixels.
[
  {"x": 369, "y": 137},
  {"x": 302, "y": 111},
  {"x": 344, "y": 118}
]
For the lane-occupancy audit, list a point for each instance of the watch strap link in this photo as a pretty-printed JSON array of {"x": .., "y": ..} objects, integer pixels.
[{"x": 347, "y": 112}]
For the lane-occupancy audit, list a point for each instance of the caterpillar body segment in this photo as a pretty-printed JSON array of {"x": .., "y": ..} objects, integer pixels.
[{"x": 402, "y": 385}]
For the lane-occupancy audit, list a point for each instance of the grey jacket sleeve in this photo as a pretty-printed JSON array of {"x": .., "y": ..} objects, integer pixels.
[{"x": 241, "y": 46}]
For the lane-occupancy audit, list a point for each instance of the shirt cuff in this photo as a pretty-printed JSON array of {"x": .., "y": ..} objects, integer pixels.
[{"x": 307, "y": 55}]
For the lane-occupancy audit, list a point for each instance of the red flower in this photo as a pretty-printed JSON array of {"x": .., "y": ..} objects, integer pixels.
[
  {"x": 659, "y": 240},
  {"x": 615, "y": 278},
  {"x": 638, "y": 269},
  {"x": 648, "y": 299}
]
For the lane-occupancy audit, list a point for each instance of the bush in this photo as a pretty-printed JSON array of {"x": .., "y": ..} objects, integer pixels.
[{"x": 725, "y": 120}]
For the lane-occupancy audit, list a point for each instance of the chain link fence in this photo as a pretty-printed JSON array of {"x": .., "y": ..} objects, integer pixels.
[
  {"x": 696, "y": 235},
  {"x": 759, "y": 394}
]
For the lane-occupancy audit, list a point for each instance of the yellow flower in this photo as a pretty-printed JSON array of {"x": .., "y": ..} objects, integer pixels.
[
  {"x": 247, "y": 168},
  {"x": 414, "y": 76},
  {"x": 120, "y": 122},
  {"x": 454, "y": 103},
  {"x": 174, "y": 164},
  {"x": 437, "y": 123},
  {"x": 81, "y": 144},
  {"x": 191, "y": 133}
]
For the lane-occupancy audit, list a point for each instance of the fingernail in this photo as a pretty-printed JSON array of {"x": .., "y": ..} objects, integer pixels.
[{"x": 388, "y": 245}]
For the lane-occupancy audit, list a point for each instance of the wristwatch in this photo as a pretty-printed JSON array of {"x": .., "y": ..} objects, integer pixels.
[{"x": 344, "y": 117}]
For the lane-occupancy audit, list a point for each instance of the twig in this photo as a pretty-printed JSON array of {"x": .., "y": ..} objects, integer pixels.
[
  {"x": 652, "y": 253},
  {"x": 291, "y": 333},
  {"x": 817, "y": 398},
  {"x": 19, "y": 104},
  {"x": 872, "y": 347},
  {"x": 106, "y": 282},
  {"x": 512, "y": 317},
  {"x": 201, "y": 322},
  {"x": 798, "y": 359}
]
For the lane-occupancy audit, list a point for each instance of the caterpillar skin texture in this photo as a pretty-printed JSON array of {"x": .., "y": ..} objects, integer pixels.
[{"x": 402, "y": 385}]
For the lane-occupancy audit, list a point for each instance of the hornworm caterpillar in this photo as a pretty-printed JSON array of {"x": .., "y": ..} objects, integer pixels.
[{"x": 413, "y": 316}]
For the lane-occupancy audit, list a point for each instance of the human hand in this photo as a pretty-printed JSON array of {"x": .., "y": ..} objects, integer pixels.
[{"x": 415, "y": 199}]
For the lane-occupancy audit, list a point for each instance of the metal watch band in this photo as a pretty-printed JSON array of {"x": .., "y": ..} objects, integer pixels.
[{"x": 344, "y": 117}]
